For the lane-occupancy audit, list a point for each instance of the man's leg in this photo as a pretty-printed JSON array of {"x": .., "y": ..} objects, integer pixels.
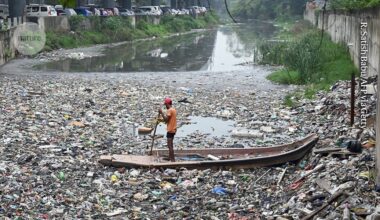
[{"x": 171, "y": 150}]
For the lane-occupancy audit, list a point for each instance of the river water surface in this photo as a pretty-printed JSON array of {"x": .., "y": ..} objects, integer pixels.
[{"x": 227, "y": 48}]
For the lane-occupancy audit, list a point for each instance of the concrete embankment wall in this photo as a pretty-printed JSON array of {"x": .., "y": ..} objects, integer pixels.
[
  {"x": 344, "y": 26},
  {"x": 55, "y": 24},
  {"x": 7, "y": 50},
  {"x": 58, "y": 24},
  {"x": 62, "y": 23}
]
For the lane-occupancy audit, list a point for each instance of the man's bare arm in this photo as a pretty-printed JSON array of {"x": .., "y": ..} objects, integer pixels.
[{"x": 166, "y": 118}]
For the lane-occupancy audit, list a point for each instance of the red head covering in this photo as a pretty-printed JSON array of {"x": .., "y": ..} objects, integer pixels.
[{"x": 168, "y": 101}]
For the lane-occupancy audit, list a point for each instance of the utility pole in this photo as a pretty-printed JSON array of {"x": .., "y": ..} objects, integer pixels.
[
  {"x": 377, "y": 159},
  {"x": 16, "y": 8},
  {"x": 352, "y": 110}
]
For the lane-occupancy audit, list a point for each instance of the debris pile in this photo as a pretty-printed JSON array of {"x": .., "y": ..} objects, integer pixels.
[{"x": 54, "y": 130}]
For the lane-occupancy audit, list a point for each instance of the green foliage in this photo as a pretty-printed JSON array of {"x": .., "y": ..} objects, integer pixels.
[
  {"x": 116, "y": 29},
  {"x": 114, "y": 23},
  {"x": 7, "y": 53},
  {"x": 288, "y": 101},
  {"x": 353, "y": 4},
  {"x": 268, "y": 9},
  {"x": 273, "y": 52},
  {"x": 285, "y": 77},
  {"x": 68, "y": 3},
  {"x": 307, "y": 61},
  {"x": 304, "y": 56},
  {"x": 76, "y": 22}
]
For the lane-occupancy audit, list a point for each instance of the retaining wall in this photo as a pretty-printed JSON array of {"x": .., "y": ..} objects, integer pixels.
[
  {"x": 344, "y": 26},
  {"x": 7, "y": 50}
]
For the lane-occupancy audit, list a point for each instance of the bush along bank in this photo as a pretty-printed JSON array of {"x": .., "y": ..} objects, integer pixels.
[
  {"x": 117, "y": 29},
  {"x": 309, "y": 60}
]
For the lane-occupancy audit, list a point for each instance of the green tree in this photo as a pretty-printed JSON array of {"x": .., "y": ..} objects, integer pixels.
[
  {"x": 353, "y": 4},
  {"x": 268, "y": 9},
  {"x": 68, "y": 3}
]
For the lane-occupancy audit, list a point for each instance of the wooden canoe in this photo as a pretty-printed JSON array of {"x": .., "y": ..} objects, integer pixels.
[{"x": 229, "y": 157}]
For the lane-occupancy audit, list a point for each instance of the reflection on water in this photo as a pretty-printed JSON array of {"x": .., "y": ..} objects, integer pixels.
[
  {"x": 219, "y": 50},
  {"x": 228, "y": 52}
]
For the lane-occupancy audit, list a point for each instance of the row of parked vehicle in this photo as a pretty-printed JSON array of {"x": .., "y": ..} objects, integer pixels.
[{"x": 38, "y": 10}]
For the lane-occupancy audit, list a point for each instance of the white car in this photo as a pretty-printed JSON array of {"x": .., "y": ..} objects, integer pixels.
[
  {"x": 140, "y": 12},
  {"x": 151, "y": 10},
  {"x": 194, "y": 10},
  {"x": 4, "y": 12},
  {"x": 126, "y": 12},
  {"x": 40, "y": 11},
  {"x": 58, "y": 7},
  {"x": 70, "y": 12}
]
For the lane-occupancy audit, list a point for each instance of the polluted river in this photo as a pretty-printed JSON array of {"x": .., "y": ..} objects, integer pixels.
[{"x": 62, "y": 110}]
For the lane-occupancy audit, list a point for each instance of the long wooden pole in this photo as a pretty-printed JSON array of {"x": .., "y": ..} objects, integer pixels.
[{"x": 154, "y": 135}]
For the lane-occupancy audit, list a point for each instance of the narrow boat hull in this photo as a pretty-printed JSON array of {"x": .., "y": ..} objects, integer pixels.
[{"x": 236, "y": 158}]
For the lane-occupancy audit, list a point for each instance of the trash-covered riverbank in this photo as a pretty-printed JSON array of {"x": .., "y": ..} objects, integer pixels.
[{"x": 55, "y": 127}]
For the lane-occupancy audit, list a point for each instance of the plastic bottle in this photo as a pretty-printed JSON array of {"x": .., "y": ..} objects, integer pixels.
[{"x": 61, "y": 176}]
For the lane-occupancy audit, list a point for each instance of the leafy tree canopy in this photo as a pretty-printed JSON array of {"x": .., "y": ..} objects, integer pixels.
[
  {"x": 353, "y": 4},
  {"x": 268, "y": 9},
  {"x": 68, "y": 3}
]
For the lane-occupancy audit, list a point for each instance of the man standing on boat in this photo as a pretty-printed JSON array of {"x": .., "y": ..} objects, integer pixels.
[{"x": 171, "y": 121}]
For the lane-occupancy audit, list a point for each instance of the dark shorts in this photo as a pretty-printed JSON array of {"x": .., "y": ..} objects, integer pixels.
[{"x": 170, "y": 135}]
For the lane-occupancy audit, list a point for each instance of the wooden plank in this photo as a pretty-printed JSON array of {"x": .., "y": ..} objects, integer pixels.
[
  {"x": 327, "y": 150},
  {"x": 343, "y": 154},
  {"x": 332, "y": 199},
  {"x": 281, "y": 176}
]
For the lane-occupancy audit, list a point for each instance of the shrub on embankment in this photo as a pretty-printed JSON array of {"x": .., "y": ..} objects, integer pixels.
[
  {"x": 353, "y": 4},
  {"x": 117, "y": 29},
  {"x": 308, "y": 60}
]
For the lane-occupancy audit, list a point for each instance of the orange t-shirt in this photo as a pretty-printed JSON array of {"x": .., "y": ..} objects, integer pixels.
[{"x": 172, "y": 120}]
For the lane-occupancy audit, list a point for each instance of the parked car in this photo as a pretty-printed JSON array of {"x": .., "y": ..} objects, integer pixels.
[
  {"x": 96, "y": 12},
  {"x": 103, "y": 12},
  {"x": 58, "y": 7},
  {"x": 184, "y": 11},
  {"x": 83, "y": 11},
  {"x": 151, "y": 10},
  {"x": 166, "y": 10},
  {"x": 194, "y": 10},
  {"x": 203, "y": 9},
  {"x": 175, "y": 11},
  {"x": 141, "y": 12},
  {"x": 70, "y": 12},
  {"x": 109, "y": 12},
  {"x": 94, "y": 9},
  {"x": 126, "y": 12},
  {"x": 115, "y": 11},
  {"x": 40, "y": 10},
  {"x": 61, "y": 12}
]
